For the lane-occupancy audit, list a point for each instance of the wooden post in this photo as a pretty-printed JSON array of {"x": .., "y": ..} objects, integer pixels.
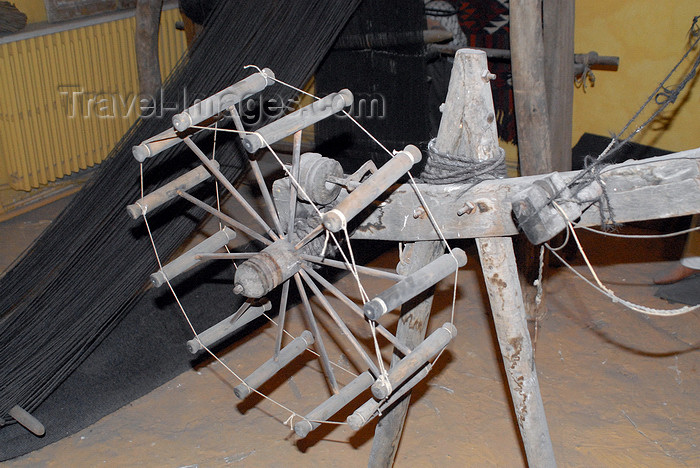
[
  {"x": 531, "y": 111},
  {"x": 558, "y": 30},
  {"x": 533, "y": 121},
  {"x": 468, "y": 117},
  {"x": 467, "y": 128},
  {"x": 147, "y": 64}
]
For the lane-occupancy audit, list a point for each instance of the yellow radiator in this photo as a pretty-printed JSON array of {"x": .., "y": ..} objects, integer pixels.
[{"x": 67, "y": 97}]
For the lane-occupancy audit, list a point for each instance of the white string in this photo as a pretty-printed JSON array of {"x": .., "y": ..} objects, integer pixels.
[
  {"x": 301, "y": 190},
  {"x": 538, "y": 281},
  {"x": 350, "y": 264},
  {"x": 264, "y": 75},
  {"x": 580, "y": 247},
  {"x": 630, "y": 305},
  {"x": 189, "y": 322},
  {"x": 638, "y": 236},
  {"x": 607, "y": 291}
]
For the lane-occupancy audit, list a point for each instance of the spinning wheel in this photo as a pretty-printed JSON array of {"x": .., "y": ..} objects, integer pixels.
[{"x": 306, "y": 223}]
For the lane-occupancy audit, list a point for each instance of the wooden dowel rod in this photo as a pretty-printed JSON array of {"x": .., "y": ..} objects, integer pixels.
[
  {"x": 402, "y": 348},
  {"x": 415, "y": 284},
  {"x": 360, "y": 269},
  {"x": 169, "y": 191},
  {"x": 27, "y": 421},
  {"x": 333, "y": 404},
  {"x": 263, "y": 373},
  {"x": 372, "y": 408},
  {"x": 411, "y": 363},
  {"x": 225, "y": 218},
  {"x": 187, "y": 260}
]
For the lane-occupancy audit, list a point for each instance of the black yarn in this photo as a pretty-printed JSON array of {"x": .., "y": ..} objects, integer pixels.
[
  {"x": 389, "y": 71},
  {"x": 444, "y": 168},
  {"x": 88, "y": 268}
]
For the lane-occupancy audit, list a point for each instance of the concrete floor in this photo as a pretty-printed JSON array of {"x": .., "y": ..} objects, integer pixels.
[{"x": 619, "y": 388}]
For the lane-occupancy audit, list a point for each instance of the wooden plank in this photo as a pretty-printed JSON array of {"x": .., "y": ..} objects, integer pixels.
[{"x": 661, "y": 187}]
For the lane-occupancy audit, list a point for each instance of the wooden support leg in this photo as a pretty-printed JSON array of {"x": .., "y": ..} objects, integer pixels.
[
  {"x": 411, "y": 331},
  {"x": 501, "y": 275}
]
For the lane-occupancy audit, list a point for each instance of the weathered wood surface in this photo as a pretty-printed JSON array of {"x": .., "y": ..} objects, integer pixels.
[
  {"x": 410, "y": 331},
  {"x": 467, "y": 127},
  {"x": 558, "y": 32},
  {"x": 655, "y": 188},
  {"x": 527, "y": 64},
  {"x": 146, "y": 40},
  {"x": 505, "y": 297}
]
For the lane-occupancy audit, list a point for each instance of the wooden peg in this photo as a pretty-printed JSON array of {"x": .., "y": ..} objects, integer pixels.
[
  {"x": 298, "y": 120},
  {"x": 407, "y": 366},
  {"x": 370, "y": 189},
  {"x": 169, "y": 191}
]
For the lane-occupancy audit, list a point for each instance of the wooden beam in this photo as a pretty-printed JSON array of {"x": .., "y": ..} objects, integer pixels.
[{"x": 661, "y": 187}]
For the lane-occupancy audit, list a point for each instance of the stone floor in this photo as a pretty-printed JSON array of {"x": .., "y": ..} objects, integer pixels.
[{"x": 619, "y": 388}]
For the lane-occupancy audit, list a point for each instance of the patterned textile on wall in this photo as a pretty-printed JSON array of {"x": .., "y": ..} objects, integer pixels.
[{"x": 483, "y": 23}]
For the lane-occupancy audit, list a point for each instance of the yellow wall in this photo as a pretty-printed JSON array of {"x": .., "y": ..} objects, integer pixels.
[
  {"x": 40, "y": 139},
  {"x": 649, "y": 36},
  {"x": 34, "y": 9}
]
